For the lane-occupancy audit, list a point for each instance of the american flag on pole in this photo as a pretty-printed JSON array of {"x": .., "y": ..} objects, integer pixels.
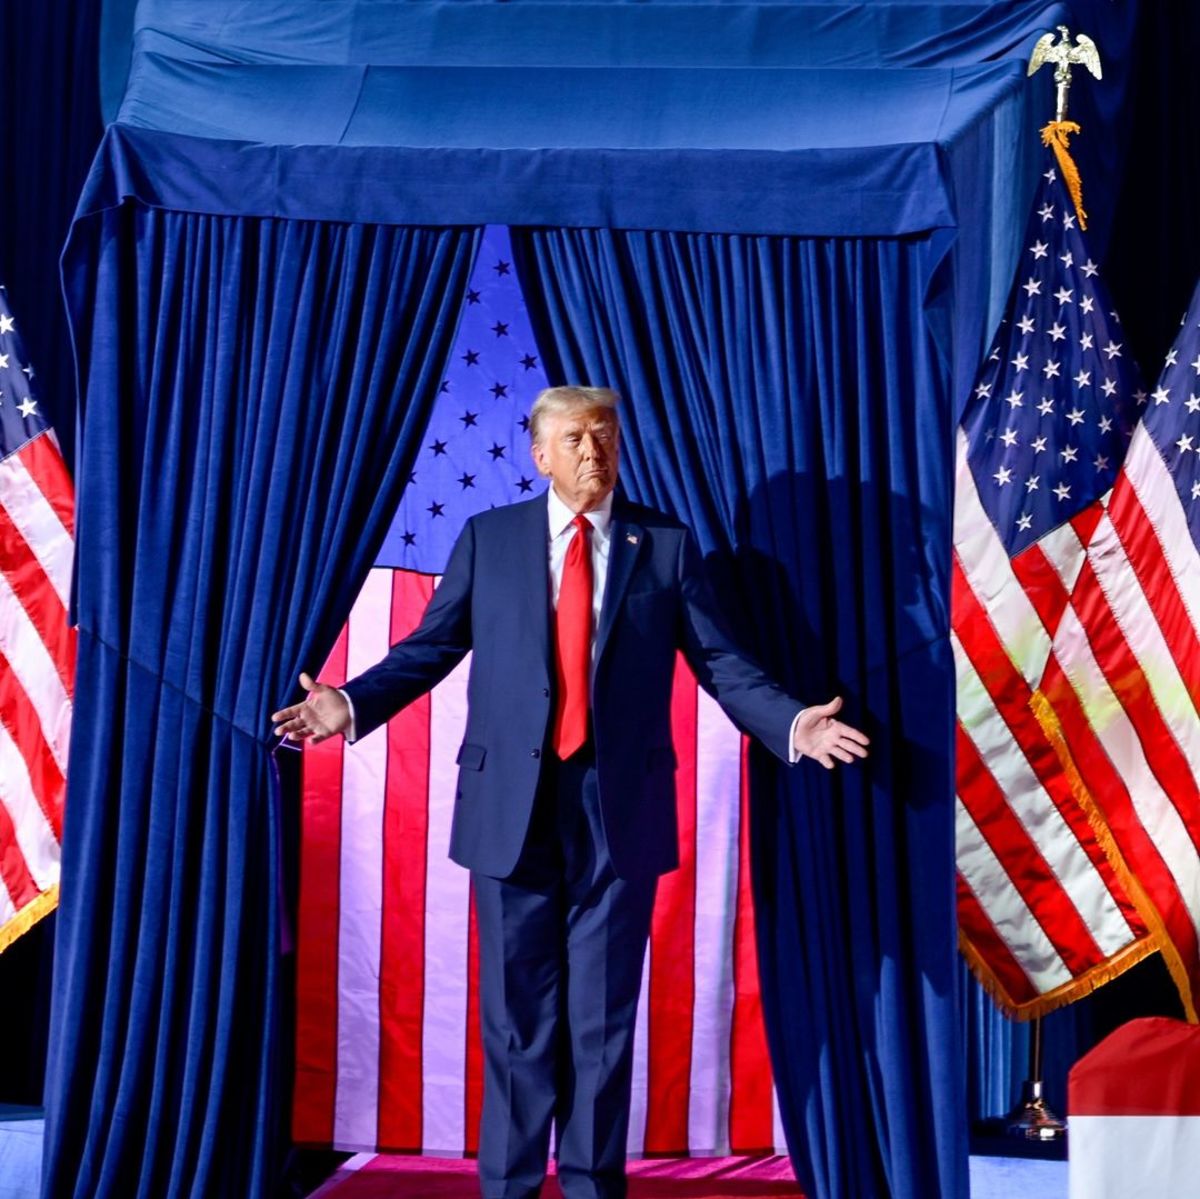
[
  {"x": 1130, "y": 658},
  {"x": 1048, "y": 908},
  {"x": 388, "y": 1054},
  {"x": 37, "y": 648}
]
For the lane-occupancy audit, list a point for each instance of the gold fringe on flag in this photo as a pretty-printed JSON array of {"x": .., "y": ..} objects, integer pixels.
[
  {"x": 1056, "y": 136},
  {"x": 1050, "y": 1001},
  {"x": 1159, "y": 937},
  {"x": 28, "y": 916}
]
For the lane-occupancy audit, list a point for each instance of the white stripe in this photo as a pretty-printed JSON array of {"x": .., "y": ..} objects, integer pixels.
[
  {"x": 781, "y": 1145},
  {"x": 34, "y": 836},
  {"x": 34, "y": 669},
  {"x": 718, "y": 793},
  {"x": 1134, "y": 1157},
  {"x": 1006, "y": 762},
  {"x": 1120, "y": 741},
  {"x": 639, "y": 1097},
  {"x": 1137, "y": 621},
  {"x": 1065, "y": 553},
  {"x": 447, "y": 908},
  {"x": 1155, "y": 489},
  {"x": 364, "y": 786},
  {"x": 38, "y": 523},
  {"x": 988, "y": 570},
  {"x": 7, "y": 908},
  {"x": 1005, "y": 906}
]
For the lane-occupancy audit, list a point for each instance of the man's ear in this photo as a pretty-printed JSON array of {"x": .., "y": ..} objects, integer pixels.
[{"x": 539, "y": 459}]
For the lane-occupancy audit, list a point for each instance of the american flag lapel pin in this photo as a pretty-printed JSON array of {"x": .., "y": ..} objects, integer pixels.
[{"x": 631, "y": 538}]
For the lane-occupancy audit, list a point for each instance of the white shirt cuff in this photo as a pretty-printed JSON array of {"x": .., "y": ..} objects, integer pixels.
[
  {"x": 794, "y": 754},
  {"x": 349, "y": 734}
]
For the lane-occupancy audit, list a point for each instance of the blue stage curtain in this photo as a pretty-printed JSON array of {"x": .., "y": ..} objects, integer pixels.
[
  {"x": 252, "y": 392},
  {"x": 784, "y": 397}
]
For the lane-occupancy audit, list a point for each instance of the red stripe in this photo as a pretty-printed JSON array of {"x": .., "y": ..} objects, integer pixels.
[
  {"x": 751, "y": 1116},
  {"x": 1041, "y": 582},
  {"x": 44, "y": 462},
  {"x": 1147, "y": 1067},
  {"x": 1027, "y": 870},
  {"x": 1111, "y": 796},
  {"x": 672, "y": 948},
  {"x": 317, "y": 945},
  {"x": 402, "y": 936},
  {"x": 1012, "y": 696},
  {"x": 1145, "y": 553},
  {"x": 20, "y": 718},
  {"x": 1084, "y": 523},
  {"x": 37, "y": 596},
  {"x": 14, "y": 873},
  {"x": 991, "y": 947},
  {"x": 474, "y": 1065},
  {"x": 1125, "y": 676}
]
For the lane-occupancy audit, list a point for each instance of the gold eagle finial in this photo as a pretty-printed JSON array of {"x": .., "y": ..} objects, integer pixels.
[{"x": 1064, "y": 56}]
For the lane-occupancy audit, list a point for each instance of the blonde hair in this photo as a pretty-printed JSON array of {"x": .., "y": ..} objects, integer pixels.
[{"x": 569, "y": 399}]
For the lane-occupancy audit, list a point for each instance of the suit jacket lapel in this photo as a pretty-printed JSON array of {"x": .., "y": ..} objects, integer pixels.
[
  {"x": 532, "y": 554},
  {"x": 624, "y": 548}
]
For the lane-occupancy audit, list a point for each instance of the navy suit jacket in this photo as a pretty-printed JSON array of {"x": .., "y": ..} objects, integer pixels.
[{"x": 494, "y": 600}]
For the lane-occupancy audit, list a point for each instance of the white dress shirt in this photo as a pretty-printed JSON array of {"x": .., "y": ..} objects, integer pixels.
[{"x": 561, "y": 532}]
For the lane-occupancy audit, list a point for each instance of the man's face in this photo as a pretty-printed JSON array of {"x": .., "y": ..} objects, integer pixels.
[{"x": 577, "y": 452}]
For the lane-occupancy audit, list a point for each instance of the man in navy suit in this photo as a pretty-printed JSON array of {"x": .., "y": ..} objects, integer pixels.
[{"x": 573, "y": 606}]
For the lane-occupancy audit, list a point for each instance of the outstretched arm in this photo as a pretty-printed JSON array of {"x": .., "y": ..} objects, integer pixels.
[
  {"x": 412, "y": 667},
  {"x": 751, "y": 698}
]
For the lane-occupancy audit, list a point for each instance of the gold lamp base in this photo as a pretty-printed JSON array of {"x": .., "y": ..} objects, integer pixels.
[{"x": 1032, "y": 1119}]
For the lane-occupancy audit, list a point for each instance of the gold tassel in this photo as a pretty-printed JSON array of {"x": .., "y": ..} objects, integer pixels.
[
  {"x": 28, "y": 916},
  {"x": 1056, "y": 135}
]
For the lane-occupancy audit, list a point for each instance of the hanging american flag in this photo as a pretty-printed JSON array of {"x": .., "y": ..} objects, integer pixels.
[
  {"x": 1130, "y": 661},
  {"x": 37, "y": 648},
  {"x": 1047, "y": 906},
  {"x": 388, "y": 1047}
]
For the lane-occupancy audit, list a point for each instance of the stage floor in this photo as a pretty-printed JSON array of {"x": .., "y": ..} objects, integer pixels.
[
  {"x": 20, "y": 1152},
  {"x": 371, "y": 1176}
]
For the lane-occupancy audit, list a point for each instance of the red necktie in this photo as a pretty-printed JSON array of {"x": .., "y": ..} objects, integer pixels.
[{"x": 573, "y": 642}]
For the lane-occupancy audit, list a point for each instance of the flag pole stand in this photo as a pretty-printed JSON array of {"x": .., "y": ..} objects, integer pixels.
[{"x": 1033, "y": 1119}]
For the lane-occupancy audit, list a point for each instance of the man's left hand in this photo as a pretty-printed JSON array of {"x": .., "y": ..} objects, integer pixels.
[{"x": 818, "y": 735}]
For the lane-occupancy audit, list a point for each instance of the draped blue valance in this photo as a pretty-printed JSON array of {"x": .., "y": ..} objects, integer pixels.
[{"x": 595, "y": 33}]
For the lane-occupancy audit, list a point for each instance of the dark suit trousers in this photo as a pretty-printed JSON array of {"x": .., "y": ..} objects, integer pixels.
[{"x": 561, "y": 944}]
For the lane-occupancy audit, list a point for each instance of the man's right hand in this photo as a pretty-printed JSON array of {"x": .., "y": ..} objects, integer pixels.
[{"x": 323, "y": 714}]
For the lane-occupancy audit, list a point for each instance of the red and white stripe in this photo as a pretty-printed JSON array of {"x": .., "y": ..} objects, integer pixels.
[
  {"x": 1134, "y": 1108},
  {"x": 388, "y": 1051},
  {"x": 1042, "y": 908},
  {"x": 1130, "y": 659},
  {"x": 37, "y": 675}
]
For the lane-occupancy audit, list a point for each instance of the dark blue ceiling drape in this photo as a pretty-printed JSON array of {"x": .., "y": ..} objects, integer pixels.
[
  {"x": 252, "y": 391},
  {"x": 786, "y": 398}
]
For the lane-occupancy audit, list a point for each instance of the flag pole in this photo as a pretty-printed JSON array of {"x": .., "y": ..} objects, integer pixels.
[{"x": 1033, "y": 1119}]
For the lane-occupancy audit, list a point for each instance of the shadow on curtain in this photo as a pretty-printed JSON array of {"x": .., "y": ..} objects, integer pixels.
[
  {"x": 252, "y": 391},
  {"x": 784, "y": 398}
]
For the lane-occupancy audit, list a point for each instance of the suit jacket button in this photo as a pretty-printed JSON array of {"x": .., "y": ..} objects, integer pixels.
[
  {"x": 535, "y": 753},
  {"x": 545, "y": 692}
]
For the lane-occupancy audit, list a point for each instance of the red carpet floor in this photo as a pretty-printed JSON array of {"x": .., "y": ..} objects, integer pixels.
[{"x": 381, "y": 1177}]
